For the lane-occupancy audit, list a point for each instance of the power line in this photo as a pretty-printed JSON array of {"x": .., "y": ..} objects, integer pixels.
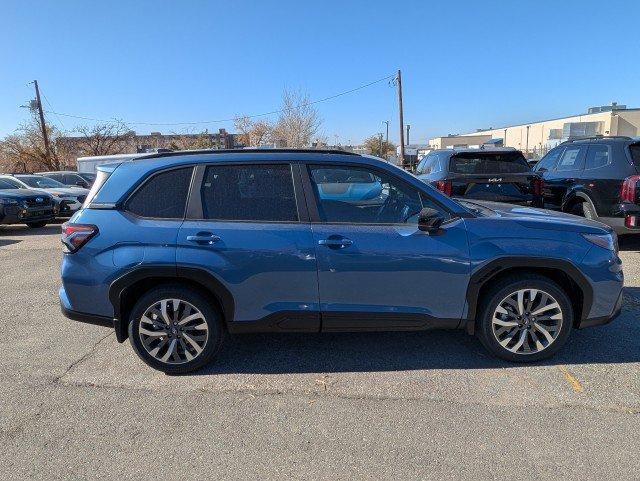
[
  {"x": 231, "y": 119},
  {"x": 51, "y": 107}
]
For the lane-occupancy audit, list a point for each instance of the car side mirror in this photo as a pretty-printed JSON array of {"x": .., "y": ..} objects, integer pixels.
[{"x": 430, "y": 220}]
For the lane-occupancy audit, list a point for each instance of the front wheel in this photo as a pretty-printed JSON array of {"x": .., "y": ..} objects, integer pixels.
[
  {"x": 525, "y": 320},
  {"x": 175, "y": 330}
]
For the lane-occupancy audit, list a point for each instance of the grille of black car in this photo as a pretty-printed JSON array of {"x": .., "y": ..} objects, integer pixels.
[{"x": 37, "y": 201}]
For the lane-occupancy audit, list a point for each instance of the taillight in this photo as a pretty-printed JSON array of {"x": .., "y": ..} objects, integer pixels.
[
  {"x": 629, "y": 189},
  {"x": 538, "y": 184},
  {"x": 631, "y": 221},
  {"x": 75, "y": 236},
  {"x": 444, "y": 186}
]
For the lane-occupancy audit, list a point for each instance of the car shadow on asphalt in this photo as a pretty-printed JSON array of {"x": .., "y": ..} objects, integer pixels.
[
  {"x": 18, "y": 230},
  {"x": 8, "y": 242},
  {"x": 614, "y": 343},
  {"x": 629, "y": 243}
]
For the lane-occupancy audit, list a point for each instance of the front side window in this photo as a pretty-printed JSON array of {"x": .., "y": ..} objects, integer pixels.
[
  {"x": 597, "y": 156},
  {"x": 261, "y": 192},
  {"x": 570, "y": 159},
  {"x": 162, "y": 196},
  {"x": 356, "y": 195}
]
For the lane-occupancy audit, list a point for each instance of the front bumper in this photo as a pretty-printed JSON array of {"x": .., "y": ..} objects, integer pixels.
[
  {"x": 600, "y": 321},
  {"x": 67, "y": 207},
  {"x": 15, "y": 214}
]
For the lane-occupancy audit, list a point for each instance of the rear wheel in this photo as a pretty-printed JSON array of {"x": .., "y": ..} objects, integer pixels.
[
  {"x": 35, "y": 225},
  {"x": 525, "y": 320},
  {"x": 175, "y": 330}
]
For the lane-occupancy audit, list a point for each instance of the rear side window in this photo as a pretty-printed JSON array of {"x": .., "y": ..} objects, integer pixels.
[
  {"x": 597, "y": 156},
  {"x": 163, "y": 196},
  {"x": 508, "y": 163},
  {"x": 249, "y": 193},
  {"x": 571, "y": 159},
  {"x": 635, "y": 154}
]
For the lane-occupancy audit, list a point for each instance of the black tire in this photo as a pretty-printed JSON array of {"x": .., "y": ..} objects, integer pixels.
[
  {"x": 212, "y": 317},
  {"x": 498, "y": 293},
  {"x": 589, "y": 211},
  {"x": 36, "y": 225}
]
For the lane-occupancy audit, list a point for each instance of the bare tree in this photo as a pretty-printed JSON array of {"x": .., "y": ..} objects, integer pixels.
[
  {"x": 253, "y": 133},
  {"x": 298, "y": 122},
  {"x": 103, "y": 138},
  {"x": 24, "y": 151},
  {"x": 192, "y": 141}
]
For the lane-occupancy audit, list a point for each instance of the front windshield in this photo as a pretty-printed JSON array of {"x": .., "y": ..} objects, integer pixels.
[
  {"x": 87, "y": 177},
  {"x": 40, "y": 182},
  {"x": 13, "y": 183}
]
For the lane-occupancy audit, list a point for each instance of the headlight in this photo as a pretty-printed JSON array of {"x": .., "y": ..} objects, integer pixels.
[
  {"x": 8, "y": 201},
  {"x": 606, "y": 241}
]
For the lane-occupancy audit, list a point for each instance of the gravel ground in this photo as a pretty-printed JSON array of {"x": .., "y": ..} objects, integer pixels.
[{"x": 75, "y": 404}]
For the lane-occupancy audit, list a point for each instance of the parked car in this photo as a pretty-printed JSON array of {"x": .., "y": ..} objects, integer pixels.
[
  {"x": 598, "y": 178},
  {"x": 68, "y": 199},
  {"x": 495, "y": 174},
  {"x": 34, "y": 208},
  {"x": 71, "y": 179},
  {"x": 176, "y": 249}
]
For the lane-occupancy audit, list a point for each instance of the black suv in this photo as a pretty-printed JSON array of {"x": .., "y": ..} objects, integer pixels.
[
  {"x": 34, "y": 208},
  {"x": 497, "y": 174},
  {"x": 595, "y": 177}
]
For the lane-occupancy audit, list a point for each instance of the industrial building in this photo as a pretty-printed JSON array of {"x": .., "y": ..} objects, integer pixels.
[{"x": 536, "y": 138}]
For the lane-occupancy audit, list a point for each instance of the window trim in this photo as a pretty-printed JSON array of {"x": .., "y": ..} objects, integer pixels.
[
  {"x": 195, "y": 211},
  {"x": 124, "y": 205},
  {"x": 609, "y": 152},
  {"x": 312, "y": 200}
]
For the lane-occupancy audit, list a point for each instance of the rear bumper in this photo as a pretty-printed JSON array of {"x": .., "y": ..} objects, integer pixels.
[
  {"x": 617, "y": 224},
  {"x": 86, "y": 318}
]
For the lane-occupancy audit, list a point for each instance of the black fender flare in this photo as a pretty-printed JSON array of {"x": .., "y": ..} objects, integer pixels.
[
  {"x": 177, "y": 273},
  {"x": 501, "y": 264},
  {"x": 571, "y": 195}
]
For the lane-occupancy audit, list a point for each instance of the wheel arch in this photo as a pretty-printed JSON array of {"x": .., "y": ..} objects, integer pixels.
[
  {"x": 561, "y": 271},
  {"x": 125, "y": 290},
  {"x": 577, "y": 197}
]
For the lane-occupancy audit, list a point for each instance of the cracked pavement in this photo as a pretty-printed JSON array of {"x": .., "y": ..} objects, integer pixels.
[{"x": 75, "y": 404}]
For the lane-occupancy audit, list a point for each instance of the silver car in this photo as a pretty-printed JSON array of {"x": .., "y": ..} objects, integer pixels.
[{"x": 68, "y": 199}]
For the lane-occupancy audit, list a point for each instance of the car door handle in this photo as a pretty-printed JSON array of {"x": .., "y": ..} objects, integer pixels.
[
  {"x": 336, "y": 243},
  {"x": 203, "y": 238}
]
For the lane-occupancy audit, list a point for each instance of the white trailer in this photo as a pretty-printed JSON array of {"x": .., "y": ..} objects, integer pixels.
[{"x": 88, "y": 164}]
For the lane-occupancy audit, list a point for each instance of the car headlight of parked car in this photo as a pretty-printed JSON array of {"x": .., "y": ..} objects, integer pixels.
[
  {"x": 63, "y": 196},
  {"x": 607, "y": 241}
]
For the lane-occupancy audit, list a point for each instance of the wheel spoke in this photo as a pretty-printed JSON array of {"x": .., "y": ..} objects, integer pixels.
[
  {"x": 546, "y": 333},
  {"x": 548, "y": 307},
  {"x": 190, "y": 318},
  {"x": 520, "y": 302},
  {"x": 193, "y": 343},
  {"x": 169, "y": 352},
  {"x": 149, "y": 333}
]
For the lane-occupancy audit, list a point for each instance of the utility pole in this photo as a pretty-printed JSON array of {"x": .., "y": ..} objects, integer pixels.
[
  {"x": 408, "y": 129},
  {"x": 387, "y": 138},
  {"x": 399, "y": 84},
  {"x": 380, "y": 144},
  {"x": 42, "y": 124}
]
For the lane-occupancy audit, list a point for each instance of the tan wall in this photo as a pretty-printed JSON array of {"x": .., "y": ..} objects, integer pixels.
[
  {"x": 538, "y": 132},
  {"x": 454, "y": 140}
]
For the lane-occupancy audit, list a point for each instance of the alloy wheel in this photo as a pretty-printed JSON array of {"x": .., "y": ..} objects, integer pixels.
[
  {"x": 527, "y": 321},
  {"x": 173, "y": 331}
]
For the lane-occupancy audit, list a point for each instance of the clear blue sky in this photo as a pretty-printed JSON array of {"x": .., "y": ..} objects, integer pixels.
[{"x": 465, "y": 64}]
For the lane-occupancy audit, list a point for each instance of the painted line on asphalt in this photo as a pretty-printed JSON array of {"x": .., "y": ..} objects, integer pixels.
[{"x": 571, "y": 379}]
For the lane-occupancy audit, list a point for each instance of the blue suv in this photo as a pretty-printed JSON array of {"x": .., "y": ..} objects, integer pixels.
[{"x": 176, "y": 250}]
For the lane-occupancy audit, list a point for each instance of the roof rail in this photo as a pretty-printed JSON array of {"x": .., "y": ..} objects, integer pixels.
[
  {"x": 243, "y": 151},
  {"x": 599, "y": 137}
]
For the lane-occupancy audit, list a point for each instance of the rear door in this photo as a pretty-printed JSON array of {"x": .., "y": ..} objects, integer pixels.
[
  {"x": 566, "y": 174},
  {"x": 247, "y": 225},
  {"x": 494, "y": 176},
  {"x": 376, "y": 269}
]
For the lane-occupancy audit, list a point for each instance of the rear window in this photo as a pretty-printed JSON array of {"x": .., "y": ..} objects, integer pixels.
[
  {"x": 163, "y": 196},
  {"x": 635, "y": 154},
  {"x": 508, "y": 163}
]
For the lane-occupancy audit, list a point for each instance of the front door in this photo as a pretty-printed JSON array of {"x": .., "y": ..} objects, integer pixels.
[
  {"x": 376, "y": 270},
  {"x": 245, "y": 228}
]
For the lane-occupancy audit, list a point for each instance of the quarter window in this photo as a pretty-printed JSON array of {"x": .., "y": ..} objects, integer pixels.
[
  {"x": 249, "y": 193},
  {"x": 597, "y": 156},
  {"x": 163, "y": 196},
  {"x": 355, "y": 195}
]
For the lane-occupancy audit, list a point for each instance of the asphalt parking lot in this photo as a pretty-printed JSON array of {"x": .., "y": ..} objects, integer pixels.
[{"x": 75, "y": 404}]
